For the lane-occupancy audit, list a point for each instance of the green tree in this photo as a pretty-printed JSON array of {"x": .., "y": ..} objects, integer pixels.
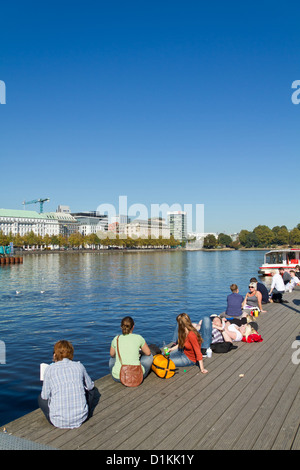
[
  {"x": 76, "y": 239},
  {"x": 243, "y": 237},
  {"x": 30, "y": 239},
  {"x": 224, "y": 240},
  {"x": 3, "y": 239},
  {"x": 264, "y": 234},
  {"x": 281, "y": 236},
  {"x": 210, "y": 241},
  {"x": 294, "y": 238}
]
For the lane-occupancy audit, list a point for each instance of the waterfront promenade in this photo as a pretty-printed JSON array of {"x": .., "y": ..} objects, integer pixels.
[{"x": 192, "y": 411}]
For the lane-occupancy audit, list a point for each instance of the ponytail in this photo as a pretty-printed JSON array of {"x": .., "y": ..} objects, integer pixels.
[{"x": 127, "y": 324}]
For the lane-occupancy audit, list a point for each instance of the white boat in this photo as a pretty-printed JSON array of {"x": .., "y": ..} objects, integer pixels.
[{"x": 275, "y": 259}]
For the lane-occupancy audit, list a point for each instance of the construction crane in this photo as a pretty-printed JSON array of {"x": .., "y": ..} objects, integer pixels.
[{"x": 41, "y": 201}]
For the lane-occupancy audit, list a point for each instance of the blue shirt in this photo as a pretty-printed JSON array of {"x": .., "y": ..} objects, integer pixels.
[
  {"x": 64, "y": 387},
  {"x": 234, "y": 305}
]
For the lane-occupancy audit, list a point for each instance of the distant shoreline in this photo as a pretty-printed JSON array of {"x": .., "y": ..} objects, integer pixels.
[{"x": 129, "y": 250}]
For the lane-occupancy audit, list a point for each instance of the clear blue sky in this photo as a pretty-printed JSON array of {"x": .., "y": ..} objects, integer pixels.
[{"x": 184, "y": 102}]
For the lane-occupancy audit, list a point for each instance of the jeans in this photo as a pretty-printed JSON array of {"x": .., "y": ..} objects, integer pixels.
[
  {"x": 205, "y": 332},
  {"x": 146, "y": 362},
  {"x": 180, "y": 359}
]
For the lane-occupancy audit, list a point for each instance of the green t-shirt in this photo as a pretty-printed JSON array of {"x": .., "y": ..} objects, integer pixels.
[{"x": 129, "y": 346}]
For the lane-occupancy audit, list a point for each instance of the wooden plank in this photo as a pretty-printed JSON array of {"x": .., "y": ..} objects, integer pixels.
[{"x": 195, "y": 411}]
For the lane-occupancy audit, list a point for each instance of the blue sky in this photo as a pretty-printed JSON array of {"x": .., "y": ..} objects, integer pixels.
[{"x": 162, "y": 101}]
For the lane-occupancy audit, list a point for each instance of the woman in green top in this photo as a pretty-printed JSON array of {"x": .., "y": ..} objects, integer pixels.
[{"x": 129, "y": 346}]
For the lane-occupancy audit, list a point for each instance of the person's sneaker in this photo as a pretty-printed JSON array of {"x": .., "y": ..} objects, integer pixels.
[{"x": 203, "y": 351}]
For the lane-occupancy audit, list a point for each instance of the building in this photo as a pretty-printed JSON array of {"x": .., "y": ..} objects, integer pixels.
[
  {"x": 65, "y": 209},
  {"x": 177, "y": 222},
  {"x": 118, "y": 224},
  {"x": 21, "y": 222},
  {"x": 91, "y": 222},
  {"x": 66, "y": 223},
  {"x": 154, "y": 228}
]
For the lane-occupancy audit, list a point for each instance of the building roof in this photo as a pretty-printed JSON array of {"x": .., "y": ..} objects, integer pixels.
[
  {"x": 59, "y": 216},
  {"x": 21, "y": 213}
]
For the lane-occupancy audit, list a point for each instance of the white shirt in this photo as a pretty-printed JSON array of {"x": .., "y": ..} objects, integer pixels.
[{"x": 277, "y": 283}]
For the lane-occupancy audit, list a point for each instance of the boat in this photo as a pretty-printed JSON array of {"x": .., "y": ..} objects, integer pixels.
[{"x": 275, "y": 259}]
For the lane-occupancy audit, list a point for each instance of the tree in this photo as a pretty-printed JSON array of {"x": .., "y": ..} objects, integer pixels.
[
  {"x": 92, "y": 239},
  {"x": 224, "y": 240},
  {"x": 3, "y": 239},
  {"x": 294, "y": 238},
  {"x": 210, "y": 241},
  {"x": 264, "y": 234},
  {"x": 243, "y": 237},
  {"x": 281, "y": 237},
  {"x": 30, "y": 239},
  {"x": 76, "y": 239}
]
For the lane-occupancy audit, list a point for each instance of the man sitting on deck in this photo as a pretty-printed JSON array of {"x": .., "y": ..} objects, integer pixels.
[
  {"x": 277, "y": 286},
  {"x": 234, "y": 303},
  {"x": 67, "y": 391}
]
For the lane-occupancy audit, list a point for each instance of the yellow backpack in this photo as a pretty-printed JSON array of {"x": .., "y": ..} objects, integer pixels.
[{"x": 163, "y": 366}]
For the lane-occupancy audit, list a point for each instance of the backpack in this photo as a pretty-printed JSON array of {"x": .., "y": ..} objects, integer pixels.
[
  {"x": 163, "y": 366},
  {"x": 277, "y": 297}
]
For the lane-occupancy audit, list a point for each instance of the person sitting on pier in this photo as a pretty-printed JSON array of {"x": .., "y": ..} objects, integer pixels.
[
  {"x": 129, "y": 346},
  {"x": 188, "y": 350},
  {"x": 277, "y": 286},
  {"x": 204, "y": 327},
  {"x": 294, "y": 281},
  {"x": 262, "y": 289},
  {"x": 68, "y": 391},
  {"x": 253, "y": 299},
  {"x": 234, "y": 303}
]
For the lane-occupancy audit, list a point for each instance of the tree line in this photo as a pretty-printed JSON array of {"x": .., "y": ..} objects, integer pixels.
[
  {"x": 78, "y": 240},
  {"x": 260, "y": 237}
]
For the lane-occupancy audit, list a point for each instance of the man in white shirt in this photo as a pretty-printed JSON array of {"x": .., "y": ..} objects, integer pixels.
[{"x": 277, "y": 286}]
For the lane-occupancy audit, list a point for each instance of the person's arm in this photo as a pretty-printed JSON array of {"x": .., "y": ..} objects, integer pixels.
[
  {"x": 259, "y": 299},
  {"x": 201, "y": 367},
  {"x": 46, "y": 390},
  {"x": 272, "y": 285},
  {"x": 146, "y": 350},
  {"x": 198, "y": 354},
  {"x": 173, "y": 348},
  {"x": 89, "y": 384},
  {"x": 112, "y": 352},
  {"x": 245, "y": 300}
]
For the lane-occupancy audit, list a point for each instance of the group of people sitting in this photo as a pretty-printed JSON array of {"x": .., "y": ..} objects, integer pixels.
[
  {"x": 68, "y": 391},
  {"x": 284, "y": 281}
]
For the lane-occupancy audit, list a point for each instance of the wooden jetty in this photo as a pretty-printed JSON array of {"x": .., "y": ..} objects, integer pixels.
[{"x": 191, "y": 411}]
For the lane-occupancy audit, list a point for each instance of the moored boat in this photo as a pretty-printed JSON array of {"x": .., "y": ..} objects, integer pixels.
[{"x": 275, "y": 259}]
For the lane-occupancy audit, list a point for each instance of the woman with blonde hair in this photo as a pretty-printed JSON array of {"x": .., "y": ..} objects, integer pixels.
[
  {"x": 188, "y": 350},
  {"x": 252, "y": 299}
]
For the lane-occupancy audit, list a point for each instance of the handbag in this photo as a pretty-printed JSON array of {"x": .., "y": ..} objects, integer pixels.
[{"x": 130, "y": 376}]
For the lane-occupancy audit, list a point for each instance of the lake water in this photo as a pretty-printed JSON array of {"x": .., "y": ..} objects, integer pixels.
[{"x": 82, "y": 297}]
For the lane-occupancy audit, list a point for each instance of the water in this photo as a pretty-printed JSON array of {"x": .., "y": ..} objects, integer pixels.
[{"x": 82, "y": 297}]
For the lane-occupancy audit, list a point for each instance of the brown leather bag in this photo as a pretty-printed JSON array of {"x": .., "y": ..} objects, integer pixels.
[{"x": 130, "y": 376}]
